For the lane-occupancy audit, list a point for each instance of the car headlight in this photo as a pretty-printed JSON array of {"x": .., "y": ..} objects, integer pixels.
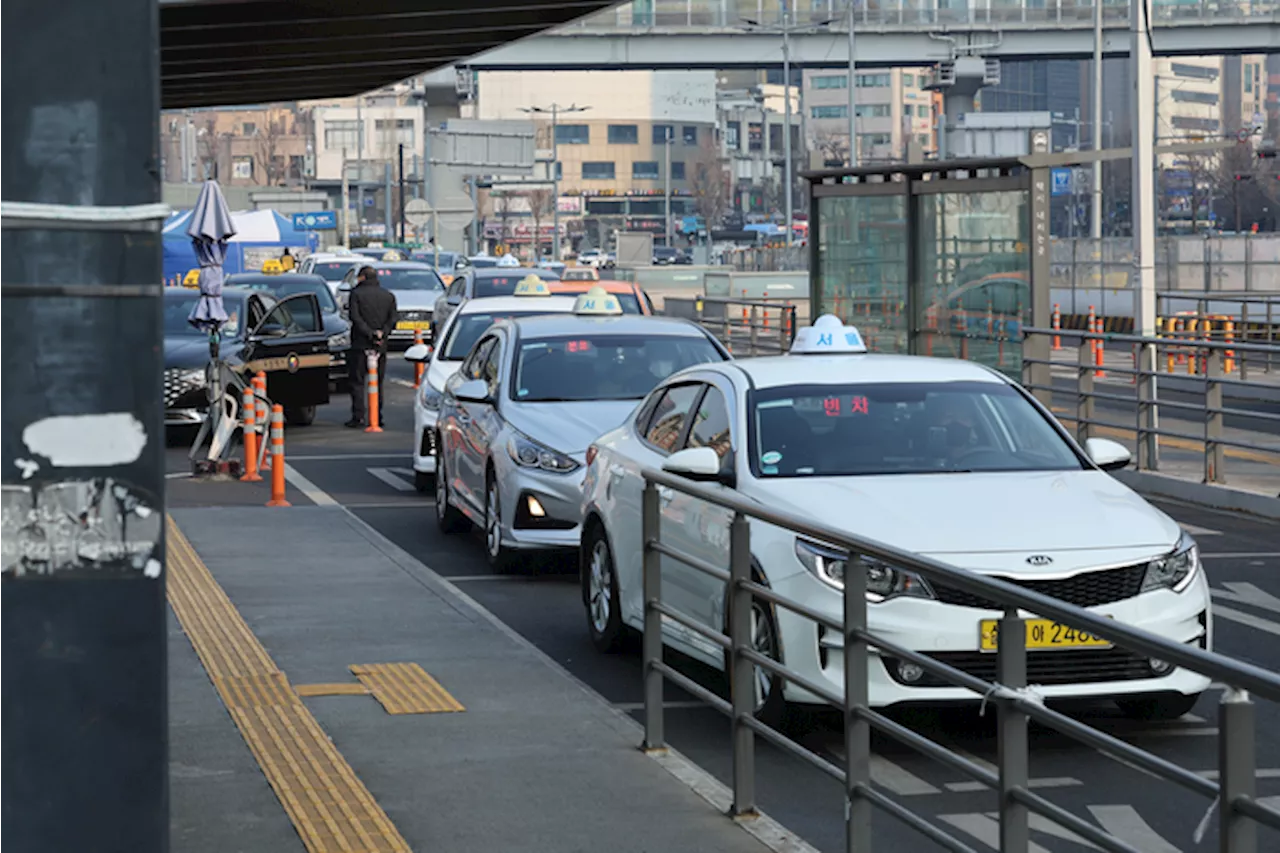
[
  {"x": 1175, "y": 571},
  {"x": 883, "y": 581},
  {"x": 528, "y": 453},
  {"x": 431, "y": 398},
  {"x": 342, "y": 340}
]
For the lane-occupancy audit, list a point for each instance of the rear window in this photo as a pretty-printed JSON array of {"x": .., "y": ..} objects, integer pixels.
[
  {"x": 497, "y": 285},
  {"x": 331, "y": 270},
  {"x": 408, "y": 279}
]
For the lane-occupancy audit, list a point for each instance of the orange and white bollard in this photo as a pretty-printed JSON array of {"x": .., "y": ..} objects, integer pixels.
[
  {"x": 420, "y": 368},
  {"x": 371, "y": 386},
  {"x": 277, "y": 451},
  {"x": 765, "y": 312},
  {"x": 1099, "y": 355},
  {"x": 1057, "y": 327},
  {"x": 1229, "y": 334},
  {"x": 250, "y": 436},
  {"x": 264, "y": 420}
]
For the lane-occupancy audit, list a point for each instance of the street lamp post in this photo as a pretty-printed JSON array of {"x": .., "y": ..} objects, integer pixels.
[
  {"x": 667, "y": 188},
  {"x": 555, "y": 110}
]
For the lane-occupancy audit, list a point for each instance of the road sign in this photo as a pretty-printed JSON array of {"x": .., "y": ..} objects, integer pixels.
[
  {"x": 1061, "y": 184},
  {"x": 417, "y": 212},
  {"x": 316, "y": 220}
]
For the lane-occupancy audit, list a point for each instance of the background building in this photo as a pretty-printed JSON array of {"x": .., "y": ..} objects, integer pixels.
[{"x": 893, "y": 111}]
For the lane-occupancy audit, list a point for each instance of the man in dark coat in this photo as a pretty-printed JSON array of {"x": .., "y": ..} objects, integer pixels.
[{"x": 372, "y": 310}]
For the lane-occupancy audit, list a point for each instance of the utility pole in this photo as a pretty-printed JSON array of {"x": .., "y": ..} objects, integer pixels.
[
  {"x": 555, "y": 110},
  {"x": 786, "y": 130},
  {"x": 401, "y": 192},
  {"x": 1143, "y": 203},
  {"x": 83, "y": 615},
  {"x": 346, "y": 203},
  {"x": 360, "y": 163},
  {"x": 1095, "y": 213},
  {"x": 853, "y": 91},
  {"x": 667, "y": 193}
]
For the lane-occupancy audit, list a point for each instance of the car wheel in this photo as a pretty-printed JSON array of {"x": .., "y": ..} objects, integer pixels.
[
  {"x": 422, "y": 481},
  {"x": 299, "y": 415},
  {"x": 448, "y": 519},
  {"x": 600, "y": 592},
  {"x": 499, "y": 556},
  {"x": 768, "y": 705},
  {"x": 1165, "y": 706}
]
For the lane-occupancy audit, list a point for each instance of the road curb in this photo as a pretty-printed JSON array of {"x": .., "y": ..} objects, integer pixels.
[{"x": 1209, "y": 495}]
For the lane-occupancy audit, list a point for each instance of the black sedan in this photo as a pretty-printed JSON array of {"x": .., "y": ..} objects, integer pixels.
[
  {"x": 284, "y": 338},
  {"x": 337, "y": 328}
]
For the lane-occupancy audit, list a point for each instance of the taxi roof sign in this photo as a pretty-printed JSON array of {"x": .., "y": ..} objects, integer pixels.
[
  {"x": 828, "y": 336},
  {"x": 392, "y": 255},
  {"x": 271, "y": 266},
  {"x": 192, "y": 278},
  {"x": 597, "y": 302},
  {"x": 532, "y": 285}
]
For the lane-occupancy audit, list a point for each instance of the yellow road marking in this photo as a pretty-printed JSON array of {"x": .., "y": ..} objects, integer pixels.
[
  {"x": 1178, "y": 443},
  {"x": 344, "y": 688},
  {"x": 331, "y": 809},
  {"x": 405, "y": 688}
]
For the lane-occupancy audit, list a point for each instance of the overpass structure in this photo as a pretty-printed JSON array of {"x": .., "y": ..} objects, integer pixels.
[{"x": 653, "y": 34}]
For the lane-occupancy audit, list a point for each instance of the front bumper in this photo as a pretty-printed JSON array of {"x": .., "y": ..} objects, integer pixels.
[
  {"x": 559, "y": 496},
  {"x": 424, "y": 436},
  {"x": 950, "y": 633}
]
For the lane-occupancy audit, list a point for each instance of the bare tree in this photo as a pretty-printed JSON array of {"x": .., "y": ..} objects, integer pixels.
[
  {"x": 502, "y": 205},
  {"x": 834, "y": 147},
  {"x": 709, "y": 183},
  {"x": 540, "y": 201},
  {"x": 266, "y": 144},
  {"x": 210, "y": 148}
]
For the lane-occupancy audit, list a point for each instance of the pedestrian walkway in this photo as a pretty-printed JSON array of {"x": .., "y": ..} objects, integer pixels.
[{"x": 329, "y": 692}]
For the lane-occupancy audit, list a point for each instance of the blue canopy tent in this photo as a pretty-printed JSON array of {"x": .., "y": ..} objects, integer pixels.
[{"x": 257, "y": 231}]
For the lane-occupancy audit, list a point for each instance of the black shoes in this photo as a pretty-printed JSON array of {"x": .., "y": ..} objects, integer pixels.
[{"x": 354, "y": 423}]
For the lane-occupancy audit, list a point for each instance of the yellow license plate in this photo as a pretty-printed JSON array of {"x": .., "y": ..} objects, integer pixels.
[
  {"x": 1041, "y": 634},
  {"x": 414, "y": 325}
]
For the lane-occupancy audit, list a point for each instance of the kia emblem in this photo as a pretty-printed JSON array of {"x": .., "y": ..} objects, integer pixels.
[{"x": 1039, "y": 560}]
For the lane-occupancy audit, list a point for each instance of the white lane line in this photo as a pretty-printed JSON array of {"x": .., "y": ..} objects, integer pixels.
[
  {"x": 1262, "y": 773},
  {"x": 404, "y": 504},
  {"x": 313, "y": 492},
  {"x": 1046, "y": 782},
  {"x": 1039, "y": 823},
  {"x": 1241, "y": 555},
  {"x": 406, "y": 383},
  {"x": 984, "y": 828},
  {"x": 403, "y": 472},
  {"x": 338, "y": 457},
  {"x": 1247, "y": 619},
  {"x": 1270, "y": 802},
  {"x": 1248, "y": 593},
  {"x": 177, "y": 475},
  {"x": 898, "y": 780},
  {"x": 385, "y": 475},
  {"x": 666, "y": 706},
  {"x": 1125, "y": 823},
  {"x": 1197, "y": 530},
  {"x": 473, "y": 578},
  {"x": 981, "y": 762},
  {"x": 1207, "y": 731}
]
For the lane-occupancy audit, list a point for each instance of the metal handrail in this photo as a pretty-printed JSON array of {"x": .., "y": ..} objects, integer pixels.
[{"x": 1234, "y": 792}]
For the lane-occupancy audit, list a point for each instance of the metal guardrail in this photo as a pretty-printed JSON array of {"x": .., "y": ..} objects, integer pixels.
[
  {"x": 1213, "y": 362},
  {"x": 1233, "y": 795},
  {"x": 745, "y": 326}
]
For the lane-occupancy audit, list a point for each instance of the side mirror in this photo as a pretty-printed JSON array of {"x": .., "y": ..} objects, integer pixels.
[
  {"x": 473, "y": 391},
  {"x": 700, "y": 464},
  {"x": 418, "y": 353},
  {"x": 272, "y": 330},
  {"x": 454, "y": 300},
  {"x": 1107, "y": 454}
]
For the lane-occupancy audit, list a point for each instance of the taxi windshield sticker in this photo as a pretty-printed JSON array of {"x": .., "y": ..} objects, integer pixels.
[{"x": 772, "y": 457}]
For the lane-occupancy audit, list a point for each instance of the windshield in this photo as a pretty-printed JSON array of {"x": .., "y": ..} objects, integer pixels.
[
  {"x": 468, "y": 328},
  {"x": 505, "y": 284},
  {"x": 602, "y": 366},
  {"x": 281, "y": 286},
  {"x": 408, "y": 279},
  {"x": 484, "y": 263},
  {"x": 332, "y": 270},
  {"x": 178, "y": 309},
  {"x": 910, "y": 428}
]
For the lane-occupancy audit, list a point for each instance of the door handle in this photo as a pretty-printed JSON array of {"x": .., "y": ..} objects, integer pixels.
[
  {"x": 665, "y": 495},
  {"x": 616, "y": 472}
]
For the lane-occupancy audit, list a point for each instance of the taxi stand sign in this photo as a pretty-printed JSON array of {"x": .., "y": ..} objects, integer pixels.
[
  {"x": 828, "y": 336},
  {"x": 597, "y": 302},
  {"x": 532, "y": 285}
]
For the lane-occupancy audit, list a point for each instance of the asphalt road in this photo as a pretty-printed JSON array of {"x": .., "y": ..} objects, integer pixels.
[{"x": 370, "y": 475}]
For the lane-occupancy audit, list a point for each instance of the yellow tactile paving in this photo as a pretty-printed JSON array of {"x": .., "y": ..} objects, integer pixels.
[
  {"x": 331, "y": 809},
  {"x": 343, "y": 688},
  {"x": 405, "y": 688}
]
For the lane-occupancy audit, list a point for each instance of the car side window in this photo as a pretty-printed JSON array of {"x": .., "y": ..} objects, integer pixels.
[
  {"x": 256, "y": 312},
  {"x": 474, "y": 363},
  {"x": 669, "y": 417},
  {"x": 492, "y": 366},
  {"x": 711, "y": 426},
  {"x": 456, "y": 287}
]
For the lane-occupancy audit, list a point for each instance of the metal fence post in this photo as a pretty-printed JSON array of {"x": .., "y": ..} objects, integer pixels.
[
  {"x": 857, "y": 731},
  {"x": 753, "y": 331},
  {"x": 1236, "y": 718},
  {"x": 650, "y": 529},
  {"x": 1148, "y": 364},
  {"x": 1012, "y": 738},
  {"x": 1084, "y": 391},
  {"x": 1213, "y": 456},
  {"x": 741, "y": 670}
]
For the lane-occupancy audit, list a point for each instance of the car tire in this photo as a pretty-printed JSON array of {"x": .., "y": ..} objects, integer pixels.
[
  {"x": 423, "y": 482},
  {"x": 770, "y": 706},
  {"x": 1163, "y": 706},
  {"x": 448, "y": 519},
  {"x": 299, "y": 415},
  {"x": 600, "y": 592},
  {"x": 499, "y": 556}
]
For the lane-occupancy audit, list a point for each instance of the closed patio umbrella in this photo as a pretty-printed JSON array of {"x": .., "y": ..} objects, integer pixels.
[{"x": 210, "y": 227}]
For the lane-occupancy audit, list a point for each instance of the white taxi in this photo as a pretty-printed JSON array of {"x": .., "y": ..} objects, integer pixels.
[
  {"x": 940, "y": 457},
  {"x": 463, "y": 328}
]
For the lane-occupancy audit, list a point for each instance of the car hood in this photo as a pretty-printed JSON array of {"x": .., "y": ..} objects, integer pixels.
[
  {"x": 416, "y": 300},
  {"x": 989, "y": 521},
  {"x": 189, "y": 351},
  {"x": 334, "y": 324},
  {"x": 568, "y": 427},
  {"x": 440, "y": 371}
]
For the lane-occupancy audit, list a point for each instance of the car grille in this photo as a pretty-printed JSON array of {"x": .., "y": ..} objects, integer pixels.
[
  {"x": 1059, "y": 666},
  {"x": 184, "y": 389},
  {"x": 413, "y": 315},
  {"x": 1087, "y": 589}
]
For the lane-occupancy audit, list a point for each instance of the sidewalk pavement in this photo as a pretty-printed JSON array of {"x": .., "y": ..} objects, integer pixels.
[{"x": 534, "y": 760}]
